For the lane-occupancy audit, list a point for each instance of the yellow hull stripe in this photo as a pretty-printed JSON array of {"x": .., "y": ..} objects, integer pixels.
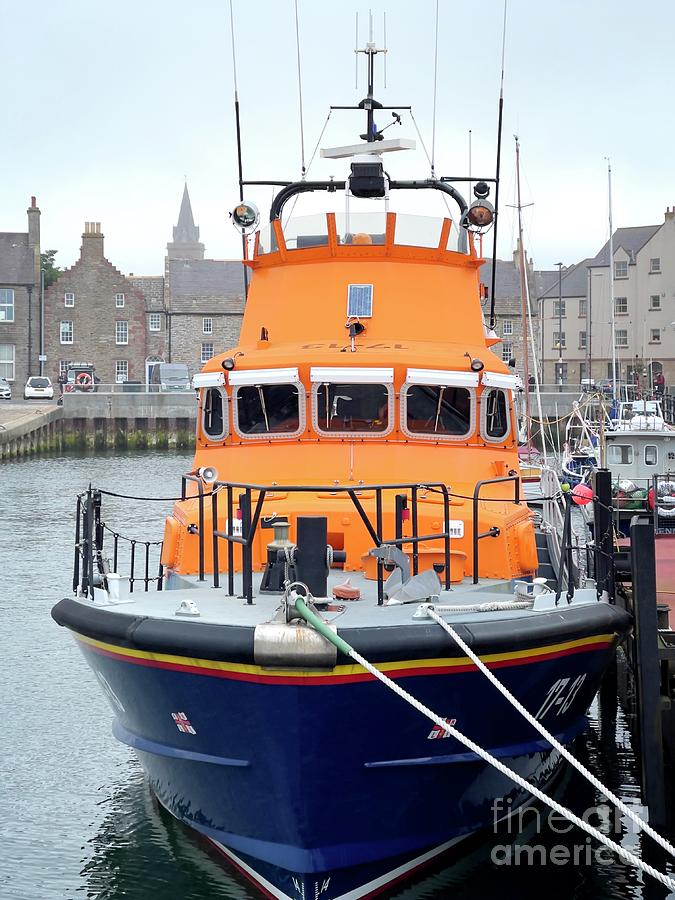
[{"x": 419, "y": 665}]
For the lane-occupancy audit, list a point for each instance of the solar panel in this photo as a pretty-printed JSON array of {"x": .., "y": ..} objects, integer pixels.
[{"x": 360, "y": 301}]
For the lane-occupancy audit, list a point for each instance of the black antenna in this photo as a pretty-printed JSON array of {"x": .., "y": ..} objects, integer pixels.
[
  {"x": 239, "y": 162},
  {"x": 493, "y": 320}
]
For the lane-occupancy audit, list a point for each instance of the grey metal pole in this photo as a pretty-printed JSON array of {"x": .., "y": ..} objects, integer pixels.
[
  {"x": 560, "y": 380},
  {"x": 42, "y": 321},
  {"x": 589, "y": 355}
]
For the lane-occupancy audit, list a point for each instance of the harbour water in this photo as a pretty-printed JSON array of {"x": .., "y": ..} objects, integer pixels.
[{"x": 76, "y": 817}]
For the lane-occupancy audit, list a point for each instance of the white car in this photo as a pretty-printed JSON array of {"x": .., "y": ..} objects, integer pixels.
[
  {"x": 38, "y": 387},
  {"x": 5, "y": 390}
]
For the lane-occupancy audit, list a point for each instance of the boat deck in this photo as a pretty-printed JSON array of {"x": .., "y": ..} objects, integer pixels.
[{"x": 215, "y": 606}]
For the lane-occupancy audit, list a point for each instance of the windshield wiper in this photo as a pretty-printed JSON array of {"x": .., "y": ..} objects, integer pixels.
[{"x": 263, "y": 406}]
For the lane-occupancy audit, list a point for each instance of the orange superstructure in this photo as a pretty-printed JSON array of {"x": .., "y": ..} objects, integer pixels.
[{"x": 432, "y": 402}]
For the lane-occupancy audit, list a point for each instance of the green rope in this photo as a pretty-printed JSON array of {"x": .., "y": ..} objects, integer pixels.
[{"x": 321, "y": 627}]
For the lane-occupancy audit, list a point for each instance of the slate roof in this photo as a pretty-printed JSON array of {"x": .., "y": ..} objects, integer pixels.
[
  {"x": 200, "y": 279},
  {"x": 574, "y": 281},
  {"x": 16, "y": 258},
  {"x": 507, "y": 286},
  {"x": 632, "y": 240}
]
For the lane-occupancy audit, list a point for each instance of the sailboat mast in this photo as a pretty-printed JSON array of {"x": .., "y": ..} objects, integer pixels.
[
  {"x": 523, "y": 300},
  {"x": 611, "y": 282}
]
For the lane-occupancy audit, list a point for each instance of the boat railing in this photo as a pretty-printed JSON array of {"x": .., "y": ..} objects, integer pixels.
[
  {"x": 93, "y": 565},
  {"x": 493, "y": 531},
  {"x": 248, "y": 511}
]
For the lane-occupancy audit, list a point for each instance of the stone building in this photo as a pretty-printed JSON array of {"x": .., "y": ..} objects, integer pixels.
[
  {"x": 204, "y": 297},
  {"x": 20, "y": 302},
  {"x": 508, "y": 306},
  {"x": 94, "y": 314},
  {"x": 643, "y": 273}
]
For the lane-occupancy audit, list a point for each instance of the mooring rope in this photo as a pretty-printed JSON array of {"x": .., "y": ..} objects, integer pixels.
[
  {"x": 483, "y": 754},
  {"x": 544, "y": 732}
]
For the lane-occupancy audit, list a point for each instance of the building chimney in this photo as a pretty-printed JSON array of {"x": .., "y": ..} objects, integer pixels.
[
  {"x": 33, "y": 224},
  {"x": 670, "y": 214},
  {"x": 92, "y": 241}
]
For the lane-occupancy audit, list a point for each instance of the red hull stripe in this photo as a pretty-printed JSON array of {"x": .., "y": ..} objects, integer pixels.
[{"x": 404, "y": 672}]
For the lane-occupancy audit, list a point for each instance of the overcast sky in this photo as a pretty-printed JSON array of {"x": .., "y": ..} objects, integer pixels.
[{"x": 108, "y": 107}]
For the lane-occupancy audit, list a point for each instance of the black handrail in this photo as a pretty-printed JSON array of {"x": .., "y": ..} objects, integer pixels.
[
  {"x": 493, "y": 531},
  {"x": 250, "y": 522},
  {"x": 89, "y": 564}
]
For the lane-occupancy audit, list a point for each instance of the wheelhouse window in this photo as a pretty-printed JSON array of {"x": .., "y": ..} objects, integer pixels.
[
  {"x": 619, "y": 454},
  {"x": 435, "y": 410},
  {"x": 214, "y": 413},
  {"x": 267, "y": 409},
  {"x": 496, "y": 421},
  {"x": 351, "y": 408},
  {"x": 651, "y": 455}
]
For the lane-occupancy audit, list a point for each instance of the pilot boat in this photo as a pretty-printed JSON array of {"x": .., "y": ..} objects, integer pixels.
[{"x": 357, "y": 449}]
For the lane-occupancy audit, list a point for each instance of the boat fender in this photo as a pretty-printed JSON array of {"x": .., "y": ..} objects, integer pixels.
[
  {"x": 527, "y": 546},
  {"x": 169, "y": 556}
]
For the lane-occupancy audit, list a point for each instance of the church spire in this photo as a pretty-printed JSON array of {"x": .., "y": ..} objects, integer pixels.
[{"x": 185, "y": 244}]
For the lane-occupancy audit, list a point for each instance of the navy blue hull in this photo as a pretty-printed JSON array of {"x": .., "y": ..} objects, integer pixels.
[{"x": 332, "y": 786}]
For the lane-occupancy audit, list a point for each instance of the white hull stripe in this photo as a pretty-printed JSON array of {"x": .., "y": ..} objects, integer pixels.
[{"x": 358, "y": 893}]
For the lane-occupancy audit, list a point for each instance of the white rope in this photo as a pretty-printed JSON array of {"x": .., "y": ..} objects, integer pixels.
[
  {"x": 509, "y": 773},
  {"x": 597, "y": 784},
  {"x": 493, "y": 606}
]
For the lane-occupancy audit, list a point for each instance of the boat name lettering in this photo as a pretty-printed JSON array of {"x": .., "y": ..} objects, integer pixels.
[
  {"x": 365, "y": 347},
  {"x": 561, "y": 694}
]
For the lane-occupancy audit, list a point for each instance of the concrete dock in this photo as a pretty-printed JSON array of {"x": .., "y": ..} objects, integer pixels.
[{"x": 97, "y": 421}]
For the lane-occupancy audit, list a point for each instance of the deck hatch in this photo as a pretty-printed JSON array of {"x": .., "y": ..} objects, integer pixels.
[{"x": 360, "y": 301}]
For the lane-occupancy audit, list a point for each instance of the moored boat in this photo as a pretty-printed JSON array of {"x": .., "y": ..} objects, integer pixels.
[{"x": 358, "y": 448}]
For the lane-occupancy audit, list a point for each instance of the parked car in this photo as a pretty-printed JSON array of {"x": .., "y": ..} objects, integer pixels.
[
  {"x": 81, "y": 377},
  {"x": 38, "y": 387},
  {"x": 5, "y": 389},
  {"x": 170, "y": 377}
]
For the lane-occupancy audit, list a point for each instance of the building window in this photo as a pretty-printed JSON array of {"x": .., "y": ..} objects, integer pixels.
[
  {"x": 207, "y": 351},
  {"x": 66, "y": 332},
  {"x": 155, "y": 322},
  {"x": 583, "y": 372},
  {"x": 508, "y": 326},
  {"x": 582, "y": 340},
  {"x": 64, "y": 365},
  {"x": 121, "y": 332},
  {"x": 583, "y": 307},
  {"x": 561, "y": 373},
  {"x": 559, "y": 340},
  {"x": 69, "y": 299},
  {"x": 121, "y": 370},
  {"x": 507, "y": 351},
  {"x": 559, "y": 309},
  {"x": 621, "y": 306},
  {"x": 655, "y": 336},
  {"x": 655, "y": 301},
  {"x": 654, "y": 265},
  {"x": 207, "y": 325},
  {"x": 621, "y": 268},
  {"x": 621, "y": 337},
  {"x": 119, "y": 301},
  {"x": 7, "y": 308},
  {"x": 7, "y": 361}
]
